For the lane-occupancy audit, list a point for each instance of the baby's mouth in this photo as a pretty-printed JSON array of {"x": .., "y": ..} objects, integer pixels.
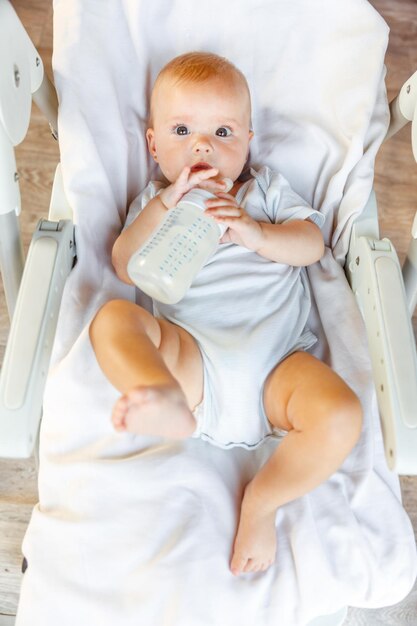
[{"x": 198, "y": 167}]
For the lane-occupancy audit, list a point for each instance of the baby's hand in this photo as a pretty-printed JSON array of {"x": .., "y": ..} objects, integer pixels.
[
  {"x": 242, "y": 229},
  {"x": 187, "y": 180}
]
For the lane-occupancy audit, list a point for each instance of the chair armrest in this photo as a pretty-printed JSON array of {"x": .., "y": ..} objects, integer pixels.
[
  {"x": 374, "y": 273},
  {"x": 28, "y": 351},
  {"x": 403, "y": 109}
]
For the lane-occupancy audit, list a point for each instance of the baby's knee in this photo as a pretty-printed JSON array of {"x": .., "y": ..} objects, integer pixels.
[
  {"x": 346, "y": 419},
  {"x": 107, "y": 316},
  {"x": 122, "y": 317}
]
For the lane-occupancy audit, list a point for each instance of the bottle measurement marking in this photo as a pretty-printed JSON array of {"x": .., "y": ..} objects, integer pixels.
[
  {"x": 166, "y": 264},
  {"x": 182, "y": 248}
]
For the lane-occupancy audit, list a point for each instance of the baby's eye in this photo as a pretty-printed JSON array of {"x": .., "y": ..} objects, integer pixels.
[
  {"x": 223, "y": 131},
  {"x": 181, "y": 130}
]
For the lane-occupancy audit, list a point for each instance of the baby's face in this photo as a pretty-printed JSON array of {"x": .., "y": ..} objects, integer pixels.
[{"x": 200, "y": 125}]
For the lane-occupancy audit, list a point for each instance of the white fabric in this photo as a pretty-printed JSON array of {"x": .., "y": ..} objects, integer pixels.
[
  {"x": 133, "y": 530},
  {"x": 246, "y": 313}
]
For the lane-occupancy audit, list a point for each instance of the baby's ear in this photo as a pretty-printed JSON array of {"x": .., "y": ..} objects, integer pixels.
[
  {"x": 251, "y": 134},
  {"x": 150, "y": 138}
]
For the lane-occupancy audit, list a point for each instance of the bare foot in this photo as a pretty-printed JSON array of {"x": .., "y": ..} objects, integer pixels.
[
  {"x": 255, "y": 543},
  {"x": 159, "y": 411}
]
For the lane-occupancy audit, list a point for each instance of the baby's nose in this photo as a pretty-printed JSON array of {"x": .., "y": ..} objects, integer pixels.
[{"x": 202, "y": 146}]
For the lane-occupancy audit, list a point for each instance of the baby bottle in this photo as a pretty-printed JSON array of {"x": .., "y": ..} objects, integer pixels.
[{"x": 165, "y": 265}]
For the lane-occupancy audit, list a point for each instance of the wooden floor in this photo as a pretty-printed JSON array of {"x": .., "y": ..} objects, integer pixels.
[{"x": 396, "y": 187}]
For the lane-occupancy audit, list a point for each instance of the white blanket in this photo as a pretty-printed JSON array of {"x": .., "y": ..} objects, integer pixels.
[{"x": 132, "y": 530}]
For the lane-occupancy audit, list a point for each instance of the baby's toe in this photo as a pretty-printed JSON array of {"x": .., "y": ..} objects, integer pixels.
[
  {"x": 250, "y": 566},
  {"x": 256, "y": 567},
  {"x": 119, "y": 422},
  {"x": 119, "y": 413},
  {"x": 238, "y": 564},
  {"x": 121, "y": 405}
]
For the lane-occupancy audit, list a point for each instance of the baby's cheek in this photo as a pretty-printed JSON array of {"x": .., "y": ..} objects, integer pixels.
[{"x": 170, "y": 170}]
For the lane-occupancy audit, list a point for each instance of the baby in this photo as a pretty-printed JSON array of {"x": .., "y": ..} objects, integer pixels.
[{"x": 229, "y": 363}]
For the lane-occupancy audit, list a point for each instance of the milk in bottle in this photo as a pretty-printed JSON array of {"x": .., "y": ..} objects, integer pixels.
[{"x": 165, "y": 265}]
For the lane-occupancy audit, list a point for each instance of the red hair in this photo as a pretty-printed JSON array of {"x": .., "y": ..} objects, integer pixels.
[{"x": 198, "y": 67}]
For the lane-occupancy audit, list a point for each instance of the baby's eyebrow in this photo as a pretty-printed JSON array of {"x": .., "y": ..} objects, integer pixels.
[
  {"x": 183, "y": 118},
  {"x": 219, "y": 121}
]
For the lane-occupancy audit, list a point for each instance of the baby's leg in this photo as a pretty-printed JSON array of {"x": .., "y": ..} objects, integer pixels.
[
  {"x": 156, "y": 365},
  {"x": 324, "y": 419}
]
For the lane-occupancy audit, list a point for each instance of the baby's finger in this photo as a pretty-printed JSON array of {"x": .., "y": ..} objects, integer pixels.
[
  {"x": 213, "y": 185},
  {"x": 183, "y": 177},
  {"x": 223, "y": 201},
  {"x": 224, "y": 211},
  {"x": 201, "y": 175},
  {"x": 227, "y": 196},
  {"x": 229, "y": 221}
]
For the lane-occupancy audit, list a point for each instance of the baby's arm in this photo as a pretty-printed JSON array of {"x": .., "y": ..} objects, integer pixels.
[
  {"x": 296, "y": 242},
  {"x": 135, "y": 235}
]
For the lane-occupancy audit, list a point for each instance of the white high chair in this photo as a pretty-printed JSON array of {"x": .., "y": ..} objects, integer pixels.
[
  {"x": 34, "y": 302},
  {"x": 386, "y": 294}
]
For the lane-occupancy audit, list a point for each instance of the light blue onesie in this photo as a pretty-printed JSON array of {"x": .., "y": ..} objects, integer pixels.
[{"x": 246, "y": 313}]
